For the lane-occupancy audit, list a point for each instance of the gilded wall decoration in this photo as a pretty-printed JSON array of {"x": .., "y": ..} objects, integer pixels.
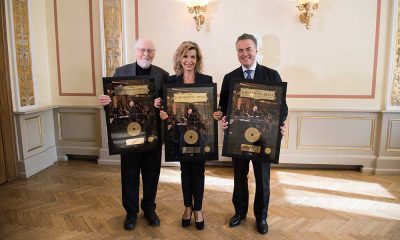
[
  {"x": 396, "y": 66},
  {"x": 23, "y": 52},
  {"x": 112, "y": 35}
]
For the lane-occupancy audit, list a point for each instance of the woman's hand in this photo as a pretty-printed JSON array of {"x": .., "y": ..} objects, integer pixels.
[
  {"x": 163, "y": 115},
  {"x": 104, "y": 100},
  {"x": 224, "y": 123},
  {"x": 283, "y": 129}
]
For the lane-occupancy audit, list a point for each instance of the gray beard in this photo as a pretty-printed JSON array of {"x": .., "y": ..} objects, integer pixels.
[{"x": 144, "y": 64}]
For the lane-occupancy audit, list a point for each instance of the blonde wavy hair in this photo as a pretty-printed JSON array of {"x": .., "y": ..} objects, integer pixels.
[{"x": 181, "y": 51}]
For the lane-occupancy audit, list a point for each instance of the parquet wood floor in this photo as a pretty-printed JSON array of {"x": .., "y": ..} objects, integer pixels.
[{"x": 82, "y": 200}]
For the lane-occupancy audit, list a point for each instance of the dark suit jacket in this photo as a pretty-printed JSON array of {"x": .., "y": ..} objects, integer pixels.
[
  {"x": 262, "y": 73},
  {"x": 160, "y": 75},
  {"x": 199, "y": 78}
]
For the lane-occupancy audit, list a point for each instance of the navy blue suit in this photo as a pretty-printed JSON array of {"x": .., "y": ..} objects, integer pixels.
[
  {"x": 261, "y": 169},
  {"x": 192, "y": 173}
]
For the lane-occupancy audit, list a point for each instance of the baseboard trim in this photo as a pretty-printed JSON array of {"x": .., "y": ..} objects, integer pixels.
[
  {"x": 367, "y": 161},
  {"x": 62, "y": 151},
  {"x": 32, "y": 165},
  {"x": 387, "y": 171},
  {"x": 107, "y": 159},
  {"x": 388, "y": 165}
]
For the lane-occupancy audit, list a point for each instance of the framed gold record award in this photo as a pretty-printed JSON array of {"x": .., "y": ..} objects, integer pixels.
[
  {"x": 254, "y": 115},
  {"x": 190, "y": 130},
  {"x": 131, "y": 117}
]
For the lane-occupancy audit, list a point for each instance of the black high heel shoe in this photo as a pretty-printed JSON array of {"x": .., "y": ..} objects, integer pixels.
[
  {"x": 199, "y": 225},
  {"x": 186, "y": 222}
]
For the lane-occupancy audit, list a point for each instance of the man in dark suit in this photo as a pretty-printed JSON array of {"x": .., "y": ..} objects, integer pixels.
[
  {"x": 246, "y": 48},
  {"x": 147, "y": 163}
]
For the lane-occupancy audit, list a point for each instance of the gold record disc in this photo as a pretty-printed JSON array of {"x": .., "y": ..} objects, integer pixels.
[
  {"x": 267, "y": 150},
  {"x": 133, "y": 128},
  {"x": 207, "y": 149},
  {"x": 191, "y": 137},
  {"x": 252, "y": 134},
  {"x": 150, "y": 139}
]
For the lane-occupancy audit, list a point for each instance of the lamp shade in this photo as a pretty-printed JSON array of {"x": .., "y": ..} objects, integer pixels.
[
  {"x": 306, "y": 1},
  {"x": 192, "y": 3}
]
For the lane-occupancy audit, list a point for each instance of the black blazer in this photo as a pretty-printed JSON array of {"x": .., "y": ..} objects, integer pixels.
[
  {"x": 198, "y": 78},
  {"x": 262, "y": 73}
]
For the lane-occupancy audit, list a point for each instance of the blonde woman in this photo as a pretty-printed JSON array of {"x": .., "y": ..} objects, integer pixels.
[{"x": 187, "y": 66}]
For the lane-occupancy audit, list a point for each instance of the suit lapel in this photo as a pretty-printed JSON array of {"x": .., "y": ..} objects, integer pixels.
[
  {"x": 132, "y": 70},
  {"x": 157, "y": 79},
  {"x": 153, "y": 70},
  {"x": 258, "y": 72},
  {"x": 239, "y": 72}
]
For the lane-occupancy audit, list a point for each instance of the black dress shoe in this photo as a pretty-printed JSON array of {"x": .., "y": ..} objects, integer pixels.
[
  {"x": 236, "y": 220},
  {"x": 186, "y": 222},
  {"x": 199, "y": 225},
  {"x": 262, "y": 226},
  {"x": 152, "y": 218},
  {"x": 130, "y": 222}
]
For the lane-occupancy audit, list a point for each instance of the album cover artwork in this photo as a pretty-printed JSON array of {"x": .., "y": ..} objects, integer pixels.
[
  {"x": 131, "y": 116},
  {"x": 190, "y": 130},
  {"x": 254, "y": 110}
]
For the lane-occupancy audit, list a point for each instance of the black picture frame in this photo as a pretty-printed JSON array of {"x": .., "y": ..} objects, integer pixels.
[
  {"x": 131, "y": 116},
  {"x": 254, "y": 113},
  {"x": 190, "y": 135}
]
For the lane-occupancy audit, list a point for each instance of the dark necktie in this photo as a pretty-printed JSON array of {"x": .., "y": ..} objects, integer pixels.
[{"x": 248, "y": 72}]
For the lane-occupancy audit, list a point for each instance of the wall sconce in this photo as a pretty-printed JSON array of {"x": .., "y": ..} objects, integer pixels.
[
  {"x": 197, "y": 7},
  {"x": 305, "y": 6}
]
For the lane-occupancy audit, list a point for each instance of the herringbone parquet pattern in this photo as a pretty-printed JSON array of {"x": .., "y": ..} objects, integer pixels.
[{"x": 82, "y": 200}]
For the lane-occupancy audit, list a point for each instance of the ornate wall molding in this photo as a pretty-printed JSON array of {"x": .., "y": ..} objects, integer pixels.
[
  {"x": 112, "y": 12},
  {"x": 395, "y": 99},
  {"x": 23, "y": 52},
  {"x": 59, "y": 47}
]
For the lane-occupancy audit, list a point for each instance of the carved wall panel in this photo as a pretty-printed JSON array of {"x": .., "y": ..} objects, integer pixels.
[
  {"x": 23, "y": 52},
  {"x": 75, "y": 47},
  {"x": 395, "y": 99},
  {"x": 113, "y": 35}
]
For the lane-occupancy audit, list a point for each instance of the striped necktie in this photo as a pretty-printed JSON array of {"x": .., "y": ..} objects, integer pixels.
[{"x": 248, "y": 72}]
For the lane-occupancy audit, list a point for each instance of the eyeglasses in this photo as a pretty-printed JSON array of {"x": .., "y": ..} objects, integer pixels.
[
  {"x": 248, "y": 50},
  {"x": 148, "y": 50}
]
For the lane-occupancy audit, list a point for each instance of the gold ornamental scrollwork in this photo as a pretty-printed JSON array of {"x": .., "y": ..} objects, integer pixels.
[
  {"x": 395, "y": 99},
  {"x": 112, "y": 35},
  {"x": 23, "y": 52},
  {"x": 190, "y": 97}
]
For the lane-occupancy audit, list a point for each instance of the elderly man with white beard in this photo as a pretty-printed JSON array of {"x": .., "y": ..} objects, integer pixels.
[{"x": 148, "y": 163}]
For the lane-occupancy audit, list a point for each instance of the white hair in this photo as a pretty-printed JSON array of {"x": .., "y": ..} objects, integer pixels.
[{"x": 142, "y": 40}]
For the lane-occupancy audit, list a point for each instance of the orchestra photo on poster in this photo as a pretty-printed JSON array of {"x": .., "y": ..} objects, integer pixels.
[
  {"x": 191, "y": 131},
  {"x": 253, "y": 114},
  {"x": 130, "y": 117}
]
